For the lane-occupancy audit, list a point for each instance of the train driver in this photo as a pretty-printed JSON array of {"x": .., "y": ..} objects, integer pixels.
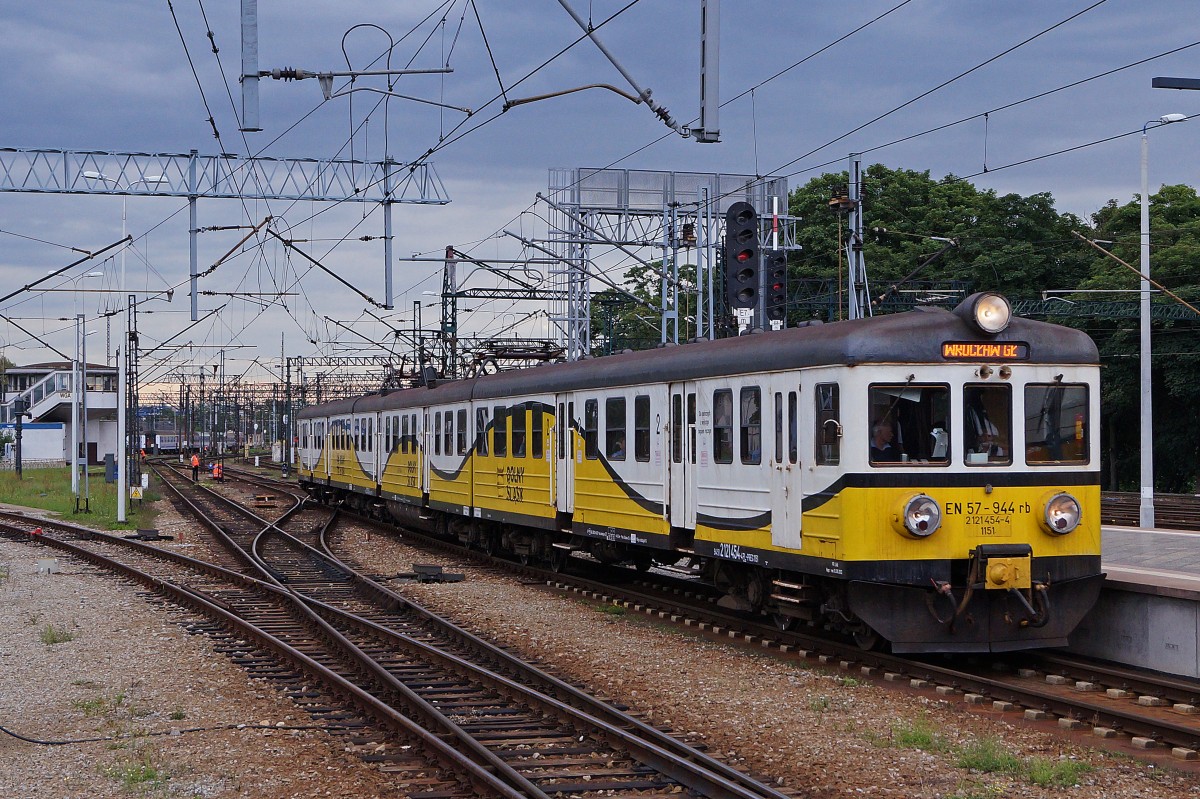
[{"x": 882, "y": 449}]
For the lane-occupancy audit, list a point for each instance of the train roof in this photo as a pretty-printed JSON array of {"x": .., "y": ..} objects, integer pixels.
[{"x": 911, "y": 337}]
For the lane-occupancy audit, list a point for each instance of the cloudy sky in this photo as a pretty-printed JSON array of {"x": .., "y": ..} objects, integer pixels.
[{"x": 140, "y": 77}]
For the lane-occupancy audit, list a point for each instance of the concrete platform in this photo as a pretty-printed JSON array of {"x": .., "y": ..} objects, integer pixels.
[{"x": 1148, "y": 614}]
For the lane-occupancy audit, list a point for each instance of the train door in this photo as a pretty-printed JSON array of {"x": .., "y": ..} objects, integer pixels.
[
  {"x": 426, "y": 448},
  {"x": 564, "y": 453},
  {"x": 681, "y": 460},
  {"x": 785, "y": 469}
]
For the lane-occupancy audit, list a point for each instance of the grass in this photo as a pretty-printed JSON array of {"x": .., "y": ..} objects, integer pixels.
[
  {"x": 100, "y": 705},
  {"x": 990, "y": 756},
  {"x": 919, "y": 734},
  {"x": 50, "y": 489},
  {"x": 137, "y": 775},
  {"x": 612, "y": 610},
  {"x": 52, "y": 635}
]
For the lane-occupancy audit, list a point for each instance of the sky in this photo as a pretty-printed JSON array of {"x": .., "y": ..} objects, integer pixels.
[{"x": 135, "y": 76}]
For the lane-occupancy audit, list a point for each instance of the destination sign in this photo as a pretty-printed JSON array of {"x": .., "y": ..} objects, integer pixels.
[{"x": 984, "y": 351}]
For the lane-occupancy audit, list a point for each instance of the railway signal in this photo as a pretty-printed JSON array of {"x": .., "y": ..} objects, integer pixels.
[
  {"x": 742, "y": 256},
  {"x": 776, "y": 283}
]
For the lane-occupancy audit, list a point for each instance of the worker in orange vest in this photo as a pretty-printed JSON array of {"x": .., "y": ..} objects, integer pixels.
[
  {"x": 218, "y": 472},
  {"x": 195, "y": 467}
]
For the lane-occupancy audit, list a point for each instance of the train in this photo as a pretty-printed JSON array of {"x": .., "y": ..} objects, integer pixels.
[{"x": 926, "y": 481}]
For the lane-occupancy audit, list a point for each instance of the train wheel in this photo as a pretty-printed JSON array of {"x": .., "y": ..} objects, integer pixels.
[
  {"x": 867, "y": 639},
  {"x": 558, "y": 558},
  {"x": 490, "y": 543},
  {"x": 642, "y": 562}
]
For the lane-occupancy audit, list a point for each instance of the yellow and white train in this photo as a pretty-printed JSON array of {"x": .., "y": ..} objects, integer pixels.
[{"x": 929, "y": 478}]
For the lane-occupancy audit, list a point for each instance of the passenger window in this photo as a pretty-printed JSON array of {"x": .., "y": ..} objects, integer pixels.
[
  {"x": 517, "y": 415},
  {"x": 987, "y": 424},
  {"x": 750, "y": 416},
  {"x": 1056, "y": 423},
  {"x": 437, "y": 433},
  {"x": 404, "y": 436},
  {"x": 500, "y": 432},
  {"x": 779, "y": 427},
  {"x": 908, "y": 424},
  {"x": 793, "y": 428},
  {"x": 677, "y": 428},
  {"x": 462, "y": 432},
  {"x": 723, "y": 426},
  {"x": 563, "y": 424},
  {"x": 614, "y": 428},
  {"x": 481, "y": 430},
  {"x": 691, "y": 423},
  {"x": 641, "y": 428},
  {"x": 591, "y": 421},
  {"x": 536, "y": 430},
  {"x": 829, "y": 424}
]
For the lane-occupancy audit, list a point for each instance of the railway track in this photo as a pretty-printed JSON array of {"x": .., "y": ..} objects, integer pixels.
[
  {"x": 1171, "y": 511},
  {"x": 503, "y": 728}
]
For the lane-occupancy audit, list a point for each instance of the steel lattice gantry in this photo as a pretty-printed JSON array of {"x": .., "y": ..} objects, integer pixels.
[
  {"x": 631, "y": 210},
  {"x": 193, "y": 176}
]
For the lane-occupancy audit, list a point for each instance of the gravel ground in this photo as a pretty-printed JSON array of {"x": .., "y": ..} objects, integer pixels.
[{"x": 131, "y": 670}]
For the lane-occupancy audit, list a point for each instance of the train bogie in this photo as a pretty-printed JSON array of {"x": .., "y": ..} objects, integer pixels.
[{"x": 917, "y": 477}]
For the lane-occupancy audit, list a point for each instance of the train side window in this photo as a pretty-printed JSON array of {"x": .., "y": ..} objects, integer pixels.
[
  {"x": 563, "y": 424},
  {"x": 987, "y": 424},
  {"x": 481, "y": 431},
  {"x": 517, "y": 415},
  {"x": 462, "y": 432},
  {"x": 677, "y": 428},
  {"x": 405, "y": 441},
  {"x": 793, "y": 427},
  {"x": 591, "y": 422},
  {"x": 779, "y": 427},
  {"x": 437, "y": 433},
  {"x": 614, "y": 428},
  {"x": 691, "y": 424},
  {"x": 448, "y": 446},
  {"x": 641, "y": 428},
  {"x": 723, "y": 426},
  {"x": 500, "y": 432},
  {"x": 829, "y": 424},
  {"x": 1056, "y": 423},
  {"x": 536, "y": 430},
  {"x": 750, "y": 417}
]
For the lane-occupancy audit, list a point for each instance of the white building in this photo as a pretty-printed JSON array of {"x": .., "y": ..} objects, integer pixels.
[{"x": 46, "y": 388}]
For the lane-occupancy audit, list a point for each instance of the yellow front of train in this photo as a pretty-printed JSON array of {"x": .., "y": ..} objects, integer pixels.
[{"x": 980, "y": 529}]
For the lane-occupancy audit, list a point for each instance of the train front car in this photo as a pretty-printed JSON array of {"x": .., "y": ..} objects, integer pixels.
[{"x": 967, "y": 514}]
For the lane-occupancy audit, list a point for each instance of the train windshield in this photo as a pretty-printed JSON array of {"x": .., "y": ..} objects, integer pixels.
[
  {"x": 1056, "y": 423},
  {"x": 908, "y": 424},
  {"x": 987, "y": 425}
]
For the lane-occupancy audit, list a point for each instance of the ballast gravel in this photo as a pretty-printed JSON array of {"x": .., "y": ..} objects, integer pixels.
[{"x": 83, "y": 656}]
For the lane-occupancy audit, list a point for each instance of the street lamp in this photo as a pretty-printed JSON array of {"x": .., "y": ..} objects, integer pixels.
[
  {"x": 76, "y": 388},
  {"x": 79, "y": 423},
  {"x": 1146, "y": 506},
  {"x": 122, "y": 352}
]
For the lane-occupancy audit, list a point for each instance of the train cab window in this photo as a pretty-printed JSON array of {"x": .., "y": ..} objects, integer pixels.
[
  {"x": 437, "y": 433},
  {"x": 641, "y": 428},
  {"x": 1056, "y": 424},
  {"x": 908, "y": 424},
  {"x": 614, "y": 428},
  {"x": 500, "y": 431},
  {"x": 723, "y": 426},
  {"x": 750, "y": 418},
  {"x": 829, "y": 424},
  {"x": 461, "y": 430},
  {"x": 987, "y": 424},
  {"x": 517, "y": 415},
  {"x": 537, "y": 443},
  {"x": 481, "y": 430},
  {"x": 591, "y": 423},
  {"x": 677, "y": 428}
]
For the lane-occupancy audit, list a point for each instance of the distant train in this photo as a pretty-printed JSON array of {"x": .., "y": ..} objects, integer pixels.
[
  {"x": 929, "y": 479},
  {"x": 171, "y": 443}
]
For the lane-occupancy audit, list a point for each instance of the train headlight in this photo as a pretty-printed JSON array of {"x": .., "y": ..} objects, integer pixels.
[
  {"x": 988, "y": 312},
  {"x": 920, "y": 517},
  {"x": 1062, "y": 514}
]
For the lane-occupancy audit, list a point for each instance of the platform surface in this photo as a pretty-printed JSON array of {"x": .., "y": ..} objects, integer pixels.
[{"x": 1168, "y": 559}]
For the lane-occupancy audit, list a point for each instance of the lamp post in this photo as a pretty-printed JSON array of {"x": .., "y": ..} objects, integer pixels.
[
  {"x": 122, "y": 352},
  {"x": 80, "y": 422},
  {"x": 77, "y": 387},
  {"x": 1146, "y": 506}
]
